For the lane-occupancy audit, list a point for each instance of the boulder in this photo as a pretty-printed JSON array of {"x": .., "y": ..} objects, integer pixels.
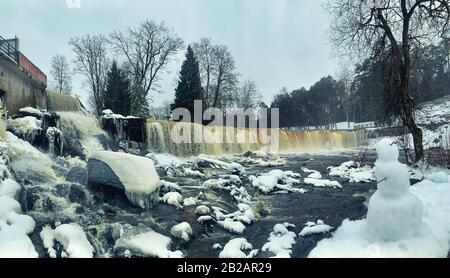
[
  {"x": 120, "y": 173},
  {"x": 78, "y": 175}
]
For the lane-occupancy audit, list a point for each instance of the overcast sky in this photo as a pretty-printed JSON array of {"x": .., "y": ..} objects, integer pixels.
[{"x": 276, "y": 43}]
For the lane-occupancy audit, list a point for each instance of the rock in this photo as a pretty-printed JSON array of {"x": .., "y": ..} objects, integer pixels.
[
  {"x": 78, "y": 175},
  {"x": 75, "y": 193}
]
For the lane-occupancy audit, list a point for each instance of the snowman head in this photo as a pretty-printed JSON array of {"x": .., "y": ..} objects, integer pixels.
[{"x": 387, "y": 151}]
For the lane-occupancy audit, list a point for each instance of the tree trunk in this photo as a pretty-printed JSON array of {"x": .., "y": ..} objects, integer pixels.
[{"x": 408, "y": 116}]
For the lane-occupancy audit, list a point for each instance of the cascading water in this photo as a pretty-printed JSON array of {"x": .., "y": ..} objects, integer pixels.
[
  {"x": 81, "y": 131},
  {"x": 161, "y": 137}
]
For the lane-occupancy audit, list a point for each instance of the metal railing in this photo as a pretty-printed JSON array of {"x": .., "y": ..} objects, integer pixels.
[{"x": 9, "y": 48}]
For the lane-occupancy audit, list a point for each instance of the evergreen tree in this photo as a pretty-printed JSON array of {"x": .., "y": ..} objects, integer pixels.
[
  {"x": 189, "y": 86},
  {"x": 117, "y": 94}
]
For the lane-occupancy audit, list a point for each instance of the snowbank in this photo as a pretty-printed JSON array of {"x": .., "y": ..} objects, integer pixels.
[{"x": 73, "y": 239}]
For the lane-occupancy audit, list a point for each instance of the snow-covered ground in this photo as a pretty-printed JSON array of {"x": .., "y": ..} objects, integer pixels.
[{"x": 402, "y": 221}]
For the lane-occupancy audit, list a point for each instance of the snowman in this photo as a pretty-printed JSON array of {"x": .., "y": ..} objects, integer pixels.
[{"x": 394, "y": 212}]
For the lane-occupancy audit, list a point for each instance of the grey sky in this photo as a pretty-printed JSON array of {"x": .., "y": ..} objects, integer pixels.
[{"x": 276, "y": 43}]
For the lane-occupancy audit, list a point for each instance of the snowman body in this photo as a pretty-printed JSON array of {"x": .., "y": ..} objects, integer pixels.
[{"x": 394, "y": 212}]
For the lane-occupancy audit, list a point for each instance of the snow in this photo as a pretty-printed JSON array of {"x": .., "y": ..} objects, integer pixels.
[
  {"x": 193, "y": 173},
  {"x": 182, "y": 230},
  {"x": 231, "y": 225},
  {"x": 204, "y": 218},
  {"x": 14, "y": 228},
  {"x": 277, "y": 180},
  {"x": 10, "y": 188},
  {"x": 217, "y": 246},
  {"x": 402, "y": 221},
  {"x": 315, "y": 228},
  {"x": 189, "y": 202},
  {"x": 235, "y": 249},
  {"x": 170, "y": 185},
  {"x": 202, "y": 210},
  {"x": 27, "y": 127},
  {"x": 438, "y": 177},
  {"x": 108, "y": 113},
  {"x": 280, "y": 241},
  {"x": 173, "y": 199},
  {"x": 71, "y": 236},
  {"x": 322, "y": 183},
  {"x": 136, "y": 173},
  {"x": 232, "y": 166},
  {"x": 31, "y": 110},
  {"x": 166, "y": 160},
  {"x": 353, "y": 171},
  {"x": 149, "y": 244}
]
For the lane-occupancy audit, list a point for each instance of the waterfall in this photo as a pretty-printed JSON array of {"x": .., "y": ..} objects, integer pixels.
[
  {"x": 160, "y": 133},
  {"x": 80, "y": 128}
]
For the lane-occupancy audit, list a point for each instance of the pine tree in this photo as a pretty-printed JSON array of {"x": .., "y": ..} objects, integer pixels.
[
  {"x": 189, "y": 86},
  {"x": 117, "y": 94}
]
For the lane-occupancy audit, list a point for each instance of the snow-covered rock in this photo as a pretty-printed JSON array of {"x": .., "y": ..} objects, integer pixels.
[
  {"x": 148, "y": 244},
  {"x": 202, "y": 210},
  {"x": 182, "y": 230},
  {"x": 71, "y": 236},
  {"x": 277, "y": 180},
  {"x": 280, "y": 241},
  {"x": 312, "y": 228},
  {"x": 235, "y": 249},
  {"x": 231, "y": 225},
  {"x": 174, "y": 199},
  {"x": 353, "y": 171},
  {"x": 135, "y": 175}
]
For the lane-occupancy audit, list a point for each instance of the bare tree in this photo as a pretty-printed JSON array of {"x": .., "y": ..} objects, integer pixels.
[
  {"x": 225, "y": 76},
  {"x": 218, "y": 73},
  {"x": 91, "y": 61},
  {"x": 248, "y": 95},
  {"x": 60, "y": 72},
  {"x": 147, "y": 49},
  {"x": 204, "y": 51},
  {"x": 375, "y": 28}
]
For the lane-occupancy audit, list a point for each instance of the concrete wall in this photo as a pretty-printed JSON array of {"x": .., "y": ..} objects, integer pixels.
[{"x": 20, "y": 87}]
